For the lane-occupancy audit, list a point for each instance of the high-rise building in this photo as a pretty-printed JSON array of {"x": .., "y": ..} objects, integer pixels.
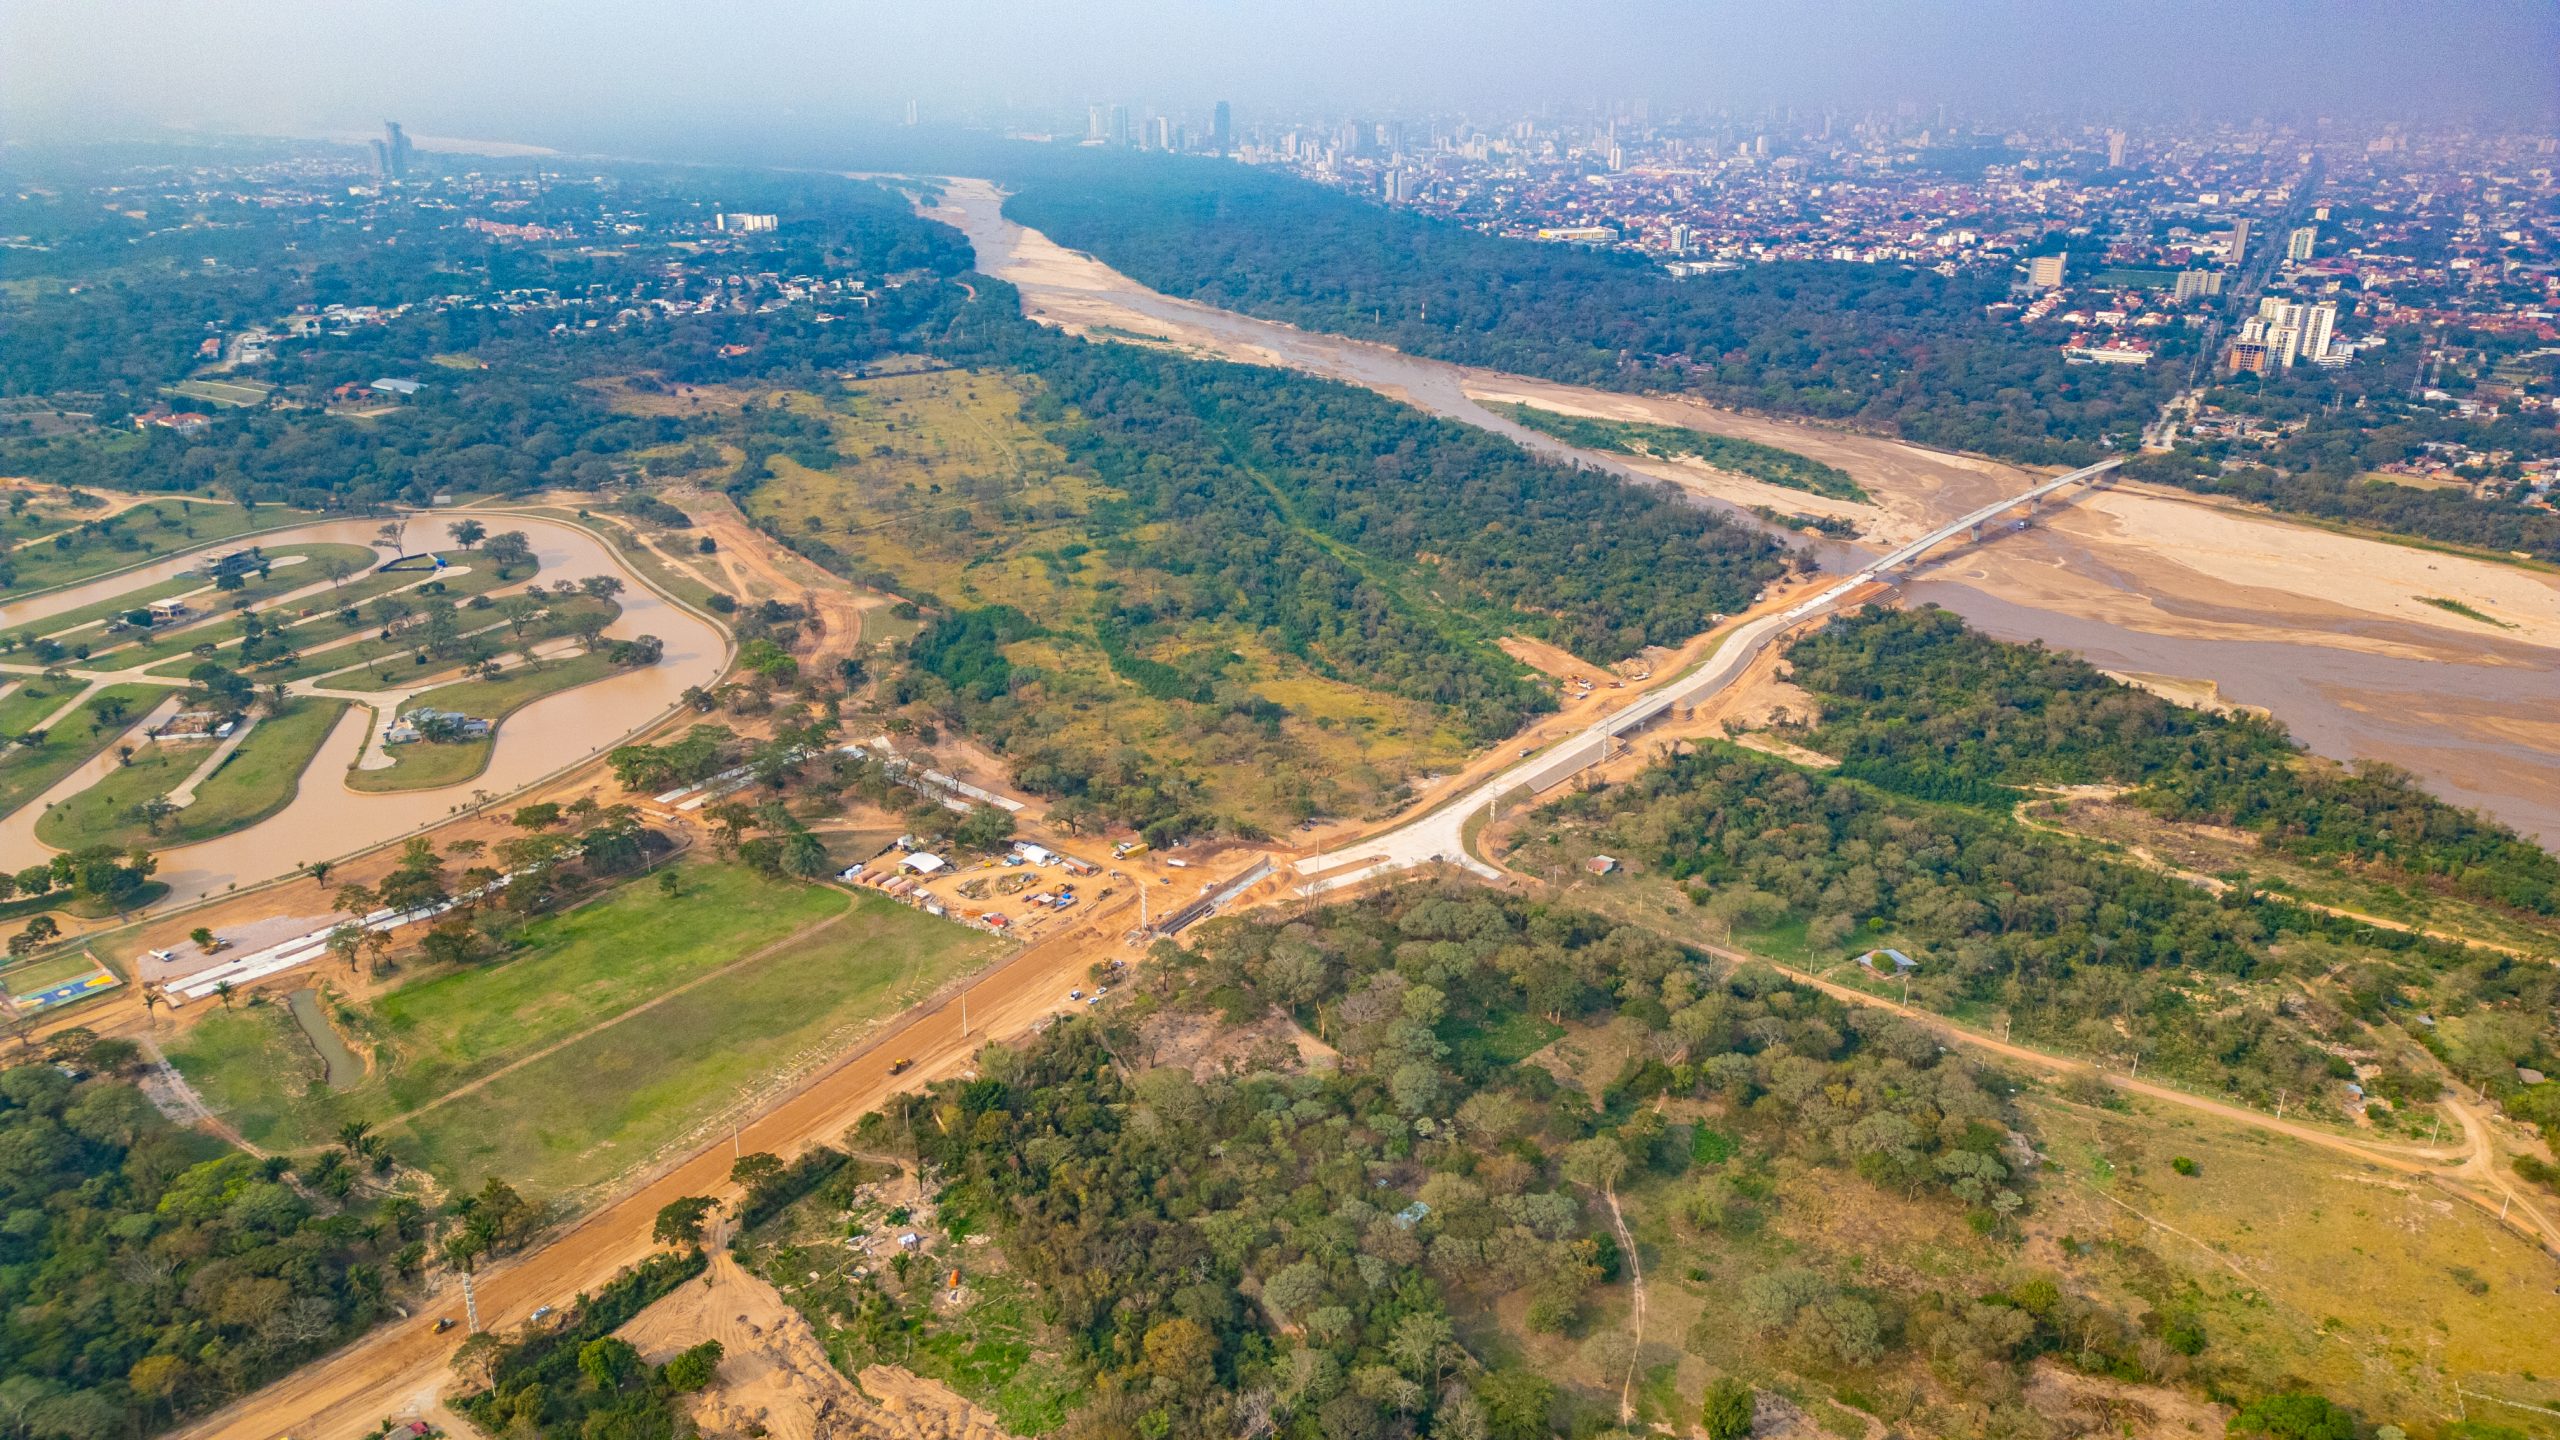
[
  {"x": 1119, "y": 125},
  {"x": 2239, "y": 241},
  {"x": 913, "y": 109},
  {"x": 2044, "y": 272},
  {"x": 2299, "y": 245},
  {"x": 2192, "y": 283},
  {"x": 394, "y": 154},
  {"x": 2247, "y": 357},
  {"x": 2319, "y": 324},
  {"x": 1097, "y": 123},
  {"x": 1222, "y": 134},
  {"x": 2115, "y": 149},
  {"x": 1162, "y": 128},
  {"x": 738, "y": 223},
  {"x": 2290, "y": 331}
]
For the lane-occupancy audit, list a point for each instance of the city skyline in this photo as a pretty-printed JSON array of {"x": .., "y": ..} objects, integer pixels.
[{"x": 553, "y": 77}]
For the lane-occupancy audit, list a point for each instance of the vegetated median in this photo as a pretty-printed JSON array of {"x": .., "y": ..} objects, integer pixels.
[
  {"x": 28, "y": 770},
  {"x": 1766, "y": 463}
]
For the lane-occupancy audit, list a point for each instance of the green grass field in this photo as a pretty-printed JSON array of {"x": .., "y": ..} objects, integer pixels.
[
  {"x": 36, "y": 698},
  {"x": 27, "y": 771},
  {"x": 259, "y": 779},
  {"x": 426, "y": 765},
  {"x": 607, "y": 1099},
  {"x": 47, "y": 970},
  {"x": 658, "y": 1078},
  {"x": 137, "y": 535}
]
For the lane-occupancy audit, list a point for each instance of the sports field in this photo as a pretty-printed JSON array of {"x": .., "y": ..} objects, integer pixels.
[{"x": 605, "y": 1076}]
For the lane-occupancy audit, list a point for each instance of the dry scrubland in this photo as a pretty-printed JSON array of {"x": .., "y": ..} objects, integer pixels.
[{"x": 946, "y": 491}]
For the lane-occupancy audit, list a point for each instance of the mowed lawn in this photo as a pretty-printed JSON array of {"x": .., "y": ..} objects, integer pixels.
[
  {"x": 572, "y": 1121},
  {"x": 591, "y": 1108},
  {"x": 27, "y": 771}
]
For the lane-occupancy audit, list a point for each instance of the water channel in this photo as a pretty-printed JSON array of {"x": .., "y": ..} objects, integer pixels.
[{"x": 325, "y": 819}]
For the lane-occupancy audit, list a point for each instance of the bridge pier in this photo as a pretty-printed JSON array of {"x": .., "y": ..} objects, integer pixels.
[{"x": 1977, "y": 531}]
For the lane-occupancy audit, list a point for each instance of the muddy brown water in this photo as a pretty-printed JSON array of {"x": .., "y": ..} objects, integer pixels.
[
  {"x": 325, "y": 819},
  {"x": 2476, "y": 717}
]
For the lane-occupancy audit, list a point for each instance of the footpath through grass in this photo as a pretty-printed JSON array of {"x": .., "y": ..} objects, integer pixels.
[
  {"x": 586, "y": 1111},
  {"x": 94, "y": 547},
  {"x": 35, "y": 698},
  {"x": 259, "y": 779},
  {"x": 27, "y": 771}
]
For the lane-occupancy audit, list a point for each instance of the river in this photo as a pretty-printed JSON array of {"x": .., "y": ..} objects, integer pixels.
[
  {"x": 325, "y": 819},
  {"x": 2333, "y": 634}
]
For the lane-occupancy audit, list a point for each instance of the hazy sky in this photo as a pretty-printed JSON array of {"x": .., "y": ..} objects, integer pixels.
[{"x": 540, "y": 69}]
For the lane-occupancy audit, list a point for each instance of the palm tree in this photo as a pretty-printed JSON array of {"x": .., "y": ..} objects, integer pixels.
[{"x": 223, "y": 989}]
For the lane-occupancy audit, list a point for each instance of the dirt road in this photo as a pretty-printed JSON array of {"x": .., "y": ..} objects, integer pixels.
[
  {"x": 402, "y": 1365},
  {"x": 2471, "y": 1161}
]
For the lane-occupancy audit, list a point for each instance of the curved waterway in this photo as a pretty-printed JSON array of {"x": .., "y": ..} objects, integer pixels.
[
  {"x": 2337, "y": 636},
  {"x": 325, "y": 819}
]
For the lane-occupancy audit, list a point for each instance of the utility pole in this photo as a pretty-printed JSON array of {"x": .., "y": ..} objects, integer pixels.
[{"x": 2279, "y": 1104}]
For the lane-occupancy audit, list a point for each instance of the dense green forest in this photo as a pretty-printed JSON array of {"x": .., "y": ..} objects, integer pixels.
[
  {"x": 1761, "y": 462},
  {"x": 2081, "y": 951},
  {"x": 1916, "y": 701},
  {"x": 1378, "y": 544},
  {"x": 1891, "y": 348},
  {"x": 580, "y": 1379},
  {"x": 1913, "y": 842},
  {"x": 148, "y": 1273},
  {"x": 1351, "y": 1250},
  {"x": 518, "y": 421}
]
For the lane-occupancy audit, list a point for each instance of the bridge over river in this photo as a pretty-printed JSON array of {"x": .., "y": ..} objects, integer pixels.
[{"x": 1439, "y": 834}]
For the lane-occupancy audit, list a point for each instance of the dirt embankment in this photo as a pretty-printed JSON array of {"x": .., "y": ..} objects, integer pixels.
[{"x": 775, "y": 1378}]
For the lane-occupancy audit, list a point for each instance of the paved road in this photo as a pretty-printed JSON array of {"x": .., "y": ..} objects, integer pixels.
[{"x": 1438, "y": 834}]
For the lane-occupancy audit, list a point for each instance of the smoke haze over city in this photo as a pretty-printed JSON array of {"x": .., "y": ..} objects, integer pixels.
[{"x": 576, "y": 71}]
